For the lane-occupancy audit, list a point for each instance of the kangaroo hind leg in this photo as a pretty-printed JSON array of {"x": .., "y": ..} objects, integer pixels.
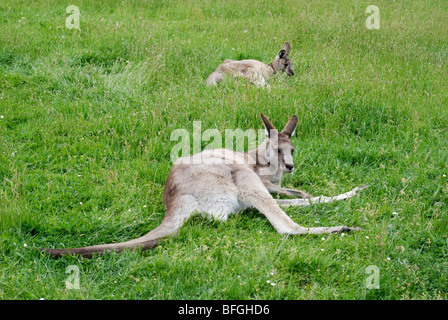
[
  {"x": 256, "y": 195},
  {"x": 321, "y": 199}
]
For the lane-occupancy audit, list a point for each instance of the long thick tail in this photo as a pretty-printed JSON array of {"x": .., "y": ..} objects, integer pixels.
[
  {"x": 214, "y": 78},
  {"x": 168, "y": 227}
]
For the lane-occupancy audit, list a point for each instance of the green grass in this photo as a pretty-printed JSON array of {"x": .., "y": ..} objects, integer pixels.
[{"x": 85, "y": 146}]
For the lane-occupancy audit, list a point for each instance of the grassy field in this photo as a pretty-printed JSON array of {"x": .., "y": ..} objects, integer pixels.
[{"x": 85, "y": 124}]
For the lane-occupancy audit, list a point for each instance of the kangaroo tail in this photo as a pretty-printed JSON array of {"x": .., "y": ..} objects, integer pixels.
[
  {"x": 168, "y": 227},
  {"x": 214, "y": 78}
]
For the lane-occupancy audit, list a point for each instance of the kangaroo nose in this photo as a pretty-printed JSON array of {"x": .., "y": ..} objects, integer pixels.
[{"x": 290, "y": 167}]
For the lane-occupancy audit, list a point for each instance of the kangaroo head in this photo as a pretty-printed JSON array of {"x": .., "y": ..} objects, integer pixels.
[
  {"x": 279, "y": 148},
  {"x": 282, "y": 62}
]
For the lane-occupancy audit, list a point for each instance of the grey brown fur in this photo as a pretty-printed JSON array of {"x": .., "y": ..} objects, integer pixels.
[
  {"x": 225, "y": 182},
  {"x": 255, "y": 71}
]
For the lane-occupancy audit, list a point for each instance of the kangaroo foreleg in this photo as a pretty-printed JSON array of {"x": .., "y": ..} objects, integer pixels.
[
  {"x": 273, "y": 188},
  {"x": 299, "y": 193}
]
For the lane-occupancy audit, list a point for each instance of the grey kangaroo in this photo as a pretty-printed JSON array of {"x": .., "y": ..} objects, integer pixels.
[
  {"x": 222, "y": 182},
  {"x": 255, "y": 71}
]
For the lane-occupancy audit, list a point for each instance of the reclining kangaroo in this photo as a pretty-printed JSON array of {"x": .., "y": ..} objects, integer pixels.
[
  {"x": 222, "y": 182},
  {"x": 256, "y": 71}
]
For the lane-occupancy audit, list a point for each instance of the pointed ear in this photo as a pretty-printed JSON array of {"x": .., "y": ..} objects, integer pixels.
[
  {"x": 291, "y": 126},
  {"x": 282, "y": 53},
  {"x": 267, "y": 152},
  {"x": 267, "y": 124},
  {"x": 287, "y": 47}
]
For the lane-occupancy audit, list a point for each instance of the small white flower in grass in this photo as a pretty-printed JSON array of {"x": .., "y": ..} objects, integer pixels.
[
  {"x": 387, "y": 258},
  {"x": 268, "y": 281},
  {"x": 25, "y": 245},
  {"x": 323, "y": 239},
  {"x": 1, "y": 117},
  {"x": 233, "y": 49},
  {"x": 245, "y": 31},
  {"x": 273, "y": 284},
  {"x": 41, "y": 299},
  {"x": 342, "y": 234},
  {"x": 367, "y": 237},
  {"x": 80, "y": 202},
  {"x": 444, "y": 175},
  {"x": 395, "y": 213},
  {"x": 144, "y": 206},
  {"x": 321, "y": 249}
]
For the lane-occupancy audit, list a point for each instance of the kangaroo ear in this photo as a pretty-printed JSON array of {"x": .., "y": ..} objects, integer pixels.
[
  {"x": 267, "y": 153},
  {"x": 282, "y": 53},
  {"x": 291, "y": 126},
  {"x": 267, "y": 124},
  {"x": 287, "y": 47}
]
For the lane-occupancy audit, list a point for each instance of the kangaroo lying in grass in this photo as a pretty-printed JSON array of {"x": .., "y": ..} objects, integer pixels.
[
  {"x": 223, "y": 182},
  {"x": 256, "y": 71}
]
